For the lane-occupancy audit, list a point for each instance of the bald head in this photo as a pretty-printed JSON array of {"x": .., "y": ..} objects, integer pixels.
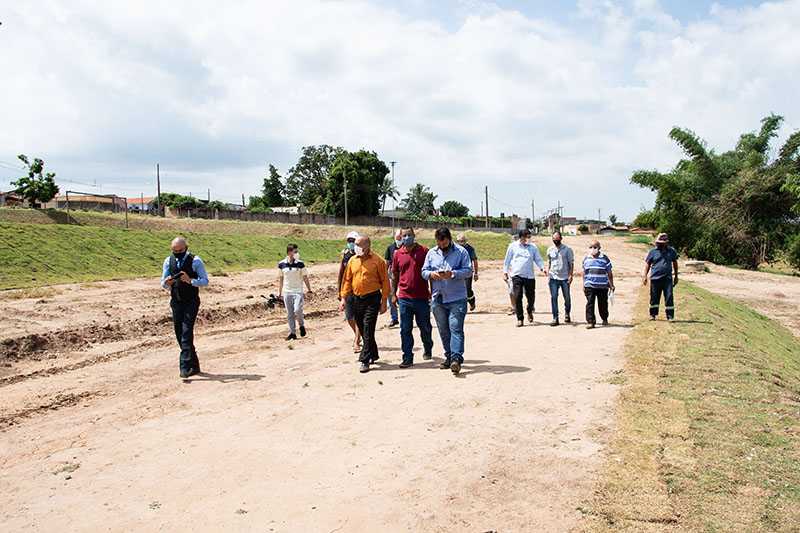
[
  {"x": 594, "y": 247},
  {"x": 178, "y": 244}
]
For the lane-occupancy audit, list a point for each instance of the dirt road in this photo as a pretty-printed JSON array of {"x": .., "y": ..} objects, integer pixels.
[{"x": 98, "y": 432}]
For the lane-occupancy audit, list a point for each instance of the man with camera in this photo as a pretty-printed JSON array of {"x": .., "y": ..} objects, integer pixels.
[{"x": 183, "y": 275}]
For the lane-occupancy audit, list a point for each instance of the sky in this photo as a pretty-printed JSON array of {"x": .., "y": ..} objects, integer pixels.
[{"x": 542, "y": 102}]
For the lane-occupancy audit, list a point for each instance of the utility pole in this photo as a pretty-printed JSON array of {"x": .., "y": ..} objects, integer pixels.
[
  {"x": 243, "y": 204},
  {"x": 486, "y": 190},
  {"x": 533, "y": 213},
  {"x": 393, "y": 163},
  {"x": 599, "y": 220},
  {"x": 158, "y": 178},
  {"x": 481, "y": 208},
  {"x": 209, "y": 195},
  {"x": 345, "y": 195}
]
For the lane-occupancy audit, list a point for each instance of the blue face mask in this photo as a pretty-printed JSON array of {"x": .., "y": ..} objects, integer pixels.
[
  {"x": 351, "y": 245},
  {"x": 408, "y": 240},
  {"x": 398, "y": 243}
]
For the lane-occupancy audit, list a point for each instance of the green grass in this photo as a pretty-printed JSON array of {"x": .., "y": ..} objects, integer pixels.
[
  {"x": 709, "y": 424},
  {"x": 640, "y": 239},
  {"x": 34, "y": 254}
]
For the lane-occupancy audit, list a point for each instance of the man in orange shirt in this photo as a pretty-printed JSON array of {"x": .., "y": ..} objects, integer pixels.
[{"x": 366, "y": 276}]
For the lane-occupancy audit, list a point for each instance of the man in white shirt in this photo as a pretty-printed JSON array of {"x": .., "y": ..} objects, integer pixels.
[{"x": 520, "y": 258}]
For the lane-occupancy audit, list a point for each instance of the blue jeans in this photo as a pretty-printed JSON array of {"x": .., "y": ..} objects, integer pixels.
[
  {"x": 555, "y": 284},
  {"x": 450, "y": 322},
  {"x": 420, "y": 310},
  {"x": 392, "y": 307}
]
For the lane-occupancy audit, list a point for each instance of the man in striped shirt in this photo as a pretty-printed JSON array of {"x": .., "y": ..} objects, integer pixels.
[{"x": 597, "y": 280}]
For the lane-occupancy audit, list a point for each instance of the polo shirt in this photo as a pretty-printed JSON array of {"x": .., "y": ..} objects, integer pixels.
[
  {"x": 292, "y": 275},
  {"x": 390, "y": 250},
  {"x": 408, "y": 265},
  {"x": 471, "y": 251},
  {"x": 660, "y": 261},
  {"x": 364, "y": 275},
  {"x": 595, "y": 271}
]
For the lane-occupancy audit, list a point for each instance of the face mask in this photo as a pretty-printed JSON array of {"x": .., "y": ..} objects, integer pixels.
[
  {"x": 179, "y": 256},
  {"x": 297, "y": 256},
  {"x": 594, "y": 251},
  {"x": 557, "y": 243},
  {"x": 462, "y": 243},
  {"x": 398, "y": 242},
  {"x": 661, "y": 245},
  {"x": 351, "y": 245},
  {"x": 408, "y": 240},
  {"x": 359, "y": 251}
]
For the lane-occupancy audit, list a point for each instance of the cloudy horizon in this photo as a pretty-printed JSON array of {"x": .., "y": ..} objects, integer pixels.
[{"x": 539, "y": 101}]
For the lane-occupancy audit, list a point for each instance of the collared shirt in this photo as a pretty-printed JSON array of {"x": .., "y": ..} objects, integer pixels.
[
  {"x": 292, "y": 273},
  {"x": 660, "y": 261},
  {"x": 365, "y": 274},
  {"x": 471, "y": 251},
  {"x": 408, "y": 265},
  {"x": 595, "y": 271},
  {"x": 455, "y": 259},
  {"x": 520, "y": 260},
  {"x": 390, "y": 250},
  {"x": 560, "y": 259},
  {"x": 198, "y": 267}
]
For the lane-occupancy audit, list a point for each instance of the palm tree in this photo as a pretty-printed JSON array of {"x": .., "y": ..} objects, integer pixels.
[
  {"x": 387, "y": 190},
  {"x": 419, "y": 201}
]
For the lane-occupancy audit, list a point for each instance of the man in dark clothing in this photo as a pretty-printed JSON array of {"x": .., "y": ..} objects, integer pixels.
[
  {"x": 661, "y": 261},
  {"x": 462, "y": 241},
  {"x": 390, "y": 250},
  {"x": 183, "y": 275}
]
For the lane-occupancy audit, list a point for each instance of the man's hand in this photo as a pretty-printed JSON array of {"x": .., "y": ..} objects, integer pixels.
[
  {"x": 505, "y": 278},
  {"x": 475, "y": 277},
  {"x": 569, "y": 280},
  {"x": 384, "y": 306},
  {"x": 611, "y": 286},
  {"x": 341, "y": 304},
  {"x": 185, "y": 277},
  {"x": 644, "y": 280},
  {"x": 545, "y": 271},
  {"x": 310, "y": 295},
  {"x": 436, "y": 276},
  {"x": 675, "y": 281},
  {"x": 168, "y": 282}
]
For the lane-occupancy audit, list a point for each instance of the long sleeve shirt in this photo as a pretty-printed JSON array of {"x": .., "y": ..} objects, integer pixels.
[
  {"x": 198, "y": 267},
  {"x": 365, "y": 274},
  {"x": 520, "y": 260},
  {"x": 455, "y": 259}
]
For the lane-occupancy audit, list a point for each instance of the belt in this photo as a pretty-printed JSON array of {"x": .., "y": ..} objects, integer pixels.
[{"x": 373, "y": 293}]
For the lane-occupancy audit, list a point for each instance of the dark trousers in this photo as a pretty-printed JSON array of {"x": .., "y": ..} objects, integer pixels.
[
  {"x": 184, "y": 315},
  {"x": 601, "y": 295},
  {"x": 520, "y": 284},
  {"x": 470, "y": 294},
  {"x": 365, "y": 311},
  {"x": 657, "y": 286}
]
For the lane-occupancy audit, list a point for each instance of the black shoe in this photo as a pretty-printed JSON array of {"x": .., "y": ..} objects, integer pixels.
[
  {"x": 184, "y": 375},
  {"x": 427, "y": 356},
  {"x": 373, "y": 359},
  {"x": 364, "y": 368},
  {"x": 455, "y": 367},
  {"x": 393, "y": 323},
  {"x": 605, "y": 322},
  {"x": 530, "y": 317},
  {"x": 445, "y": 365},
  {"x": 554, "y": 322},
  {"x": 566, "y": 319},
  {"x": 406, "y": 364},
  {"x": 472, "y": 306},
  {"x": 291, "y": 337},
  {"x": 302, "y": 331}
]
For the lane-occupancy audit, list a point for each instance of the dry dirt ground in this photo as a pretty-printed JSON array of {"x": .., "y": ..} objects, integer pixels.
[{"x": 97, "y": 431}]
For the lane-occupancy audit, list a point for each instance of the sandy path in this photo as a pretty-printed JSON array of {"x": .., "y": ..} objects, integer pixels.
[{"x": 276, "y": 439}]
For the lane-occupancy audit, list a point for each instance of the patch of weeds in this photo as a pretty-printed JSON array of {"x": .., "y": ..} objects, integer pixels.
[
  {"x": 291, "y": 346},
  {"x": 34, "y": 292},
  {"x": 154, "y": 505},
  {"x": 240, "y": 511},
  {"x": 68, "y": 468}
]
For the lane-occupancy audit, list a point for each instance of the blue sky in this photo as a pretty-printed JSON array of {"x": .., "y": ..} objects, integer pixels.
[{"x": 539, "y": 100}]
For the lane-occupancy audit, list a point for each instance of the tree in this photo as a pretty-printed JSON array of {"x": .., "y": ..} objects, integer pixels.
[
  {"x": 365, "y": 174},
  {"x": 35, "y": 187},
  {"x": 418, "y": 203},
  {"x": 387, "y": 190},
  {"x": 272, "y": 191},
  {"x": 308, "y": 179},
  {"x": 454, "y": 209},
  {"x": 612, "y": 219},
  {"x": 731, "y": 208}
]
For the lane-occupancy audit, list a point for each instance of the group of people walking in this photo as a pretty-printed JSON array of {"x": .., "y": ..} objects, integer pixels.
[{"x": 417, "y": 281}]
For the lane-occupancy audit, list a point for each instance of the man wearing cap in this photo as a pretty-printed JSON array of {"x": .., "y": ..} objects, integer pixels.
[
  {"x": 597, "y": 281},
  {"x": 366, "y": 276},
  {"x": 461, "y": 239},
  {"x": 560, "y": 265},
  {"x": 521, "y": 256},
  {"x": 390, "y": 250},
  {"x": 661, "y": 261},
  {"x": 344, "y": 257}
]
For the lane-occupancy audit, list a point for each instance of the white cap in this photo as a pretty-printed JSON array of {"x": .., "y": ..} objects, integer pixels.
[{"x": 352, "y": 235}]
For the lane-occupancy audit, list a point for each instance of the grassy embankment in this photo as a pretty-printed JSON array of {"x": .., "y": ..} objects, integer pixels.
[
  {"x": 708, "y": 432},
  {"x": 37, "y": 248}
]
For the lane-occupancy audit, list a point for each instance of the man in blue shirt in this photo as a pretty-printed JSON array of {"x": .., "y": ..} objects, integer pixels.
[
  {"x": 661, "y": 261},
  {"x": 597, "y": 281},
  {"x": 448, "y": 266},
  {"x": 183, "y": 275},
  {"x": 520, "y": 258},
  {"x": 561, "y": 263}
]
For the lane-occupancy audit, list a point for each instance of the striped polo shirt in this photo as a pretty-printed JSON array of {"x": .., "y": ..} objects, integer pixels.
[
  {"x": 595, "y": 271},
  {"x": 292, "y": 275}
]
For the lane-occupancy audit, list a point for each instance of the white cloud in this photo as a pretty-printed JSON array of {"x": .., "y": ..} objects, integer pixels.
[{"x": 532, "y": 107}]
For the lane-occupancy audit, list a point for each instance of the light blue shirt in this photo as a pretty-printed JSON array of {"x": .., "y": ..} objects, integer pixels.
[
  {"x": 456, "y": 260},
  {"x": 520, "y": 259},
  {"x": 198, "y": 267}
]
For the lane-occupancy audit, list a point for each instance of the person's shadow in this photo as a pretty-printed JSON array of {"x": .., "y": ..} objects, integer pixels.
[
  {"x": 472, "y": 366},
  {"x": 223, "y": 378}
]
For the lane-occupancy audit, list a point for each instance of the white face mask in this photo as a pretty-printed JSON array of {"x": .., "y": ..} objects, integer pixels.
[
  {"x": 594, "y": 251},
  {"x": 297, "y": 256},
  {"x": 359, "y": 250}
]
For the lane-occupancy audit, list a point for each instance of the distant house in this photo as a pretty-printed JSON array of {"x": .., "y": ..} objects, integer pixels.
[
  {"x": 613, "y": 230},
  {"x": 642, "y": 231},
  {"x": 293, "y": 209},
  {"x": 140, "y": 205},
  {"x": 89, "y": 201},
  {"x": 9, "y": 199}
]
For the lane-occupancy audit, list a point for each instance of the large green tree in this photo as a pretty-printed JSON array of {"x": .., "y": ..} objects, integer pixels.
[
  {"x": 730, "y": 208},
  {"x": 307, "y": 181},
  {"x": 453, "y": 209},
  {"x": 272, "y": 191},
  {"x": 365, "y": 174},
  {"x": 418, "y": 203},
  {"x": 36, "y": 187}
]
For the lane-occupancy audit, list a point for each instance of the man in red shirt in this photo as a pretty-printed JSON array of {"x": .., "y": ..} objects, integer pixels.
[{"x": 411, "y": 292}]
